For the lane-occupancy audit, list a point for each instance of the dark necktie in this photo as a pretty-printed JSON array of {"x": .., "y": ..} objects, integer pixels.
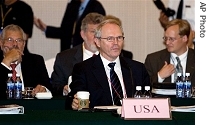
[
  {"x": 179, "y": 68},
  {"x": 13, "y": 71},
  {"x": 116, "y": 86},
  {"x": 94, "y": 55},
  {"x": 179, "y": 11}
]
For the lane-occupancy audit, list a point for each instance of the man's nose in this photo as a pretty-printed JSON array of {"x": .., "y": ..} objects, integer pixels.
[{"x": 15, "y": 43}]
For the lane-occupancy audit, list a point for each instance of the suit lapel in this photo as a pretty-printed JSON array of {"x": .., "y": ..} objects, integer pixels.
[
  {"x": 24, "y": 67},
  {"x": 127, "y": 78},
  {"x": 190, "y": 65},
  {"x": 79, "y": 54},
  {"x": 101, "y": 77},
  {"x": 165, "y": 57}
]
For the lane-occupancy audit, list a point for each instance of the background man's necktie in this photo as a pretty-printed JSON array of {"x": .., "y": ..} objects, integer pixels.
[
  {"x": 179, "y": 11},
  {"x": 179, "y": 68},
  {"x": 94, "y": 55},
  {"x": 13, "y": 71},
  {"x": 116, "y": 86}
]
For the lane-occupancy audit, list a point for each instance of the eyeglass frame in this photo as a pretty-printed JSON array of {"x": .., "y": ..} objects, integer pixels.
[
  {"x": 10, "y": 40},
  {"x": 171, "y": 39},
  {"x": 112, "y": 38}
]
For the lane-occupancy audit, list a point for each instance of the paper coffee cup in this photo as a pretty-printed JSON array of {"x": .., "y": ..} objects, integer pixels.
[{"x": 83, "y": 97}]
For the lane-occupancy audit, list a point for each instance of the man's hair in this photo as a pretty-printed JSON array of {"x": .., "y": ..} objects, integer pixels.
[
  {"x": 15, "y": 28},
  {"x": 91, "y": 18},
  {"x": 113, "y": 17},
  {"x": 107, "y": 21},
  {"x": 184, "y": 26}
]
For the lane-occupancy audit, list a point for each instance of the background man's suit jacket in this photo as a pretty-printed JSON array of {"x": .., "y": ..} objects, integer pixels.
[
  {"x": 90, "y": 75},
  {"x": 63, "y": 67},
  {"x": 65, "y": 31},
  {"x": 155, "y": 61},
  {"x": 33, "y": 70},
  {"x": 64, "y": 64}
]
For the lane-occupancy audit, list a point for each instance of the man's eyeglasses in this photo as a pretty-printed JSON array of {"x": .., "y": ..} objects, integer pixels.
[
  {"x": 11, "y": 40},
  {"x": 112, "y": 39},
  {"x": 171, "y": 39}
]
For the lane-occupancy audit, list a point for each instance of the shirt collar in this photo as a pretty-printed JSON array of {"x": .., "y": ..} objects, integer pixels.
[
  {"x": 84, "y": 4},
  {"x": 181, "y": 57},
  {"x": 106, "y": 62},
  {"x": 87, "y": 52}
]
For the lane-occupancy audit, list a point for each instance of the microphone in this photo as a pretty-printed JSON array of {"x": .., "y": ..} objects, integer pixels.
[{"x": 159, "y": 4}]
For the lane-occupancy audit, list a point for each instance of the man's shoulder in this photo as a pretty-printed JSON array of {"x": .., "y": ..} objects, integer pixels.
[
  {"x": 71, "y": 51},
  {"x": 126, "y": 53},
  {"x": 95, "y": 3},
  {"x": 22, "y": 4},
  {"x": 191, "y": 50},
  {"x": 157, "y": 53},
  {"x": 130, "y": 62},
  {"x": 33, "y": 56},
  {"x": 88, "y": 62}
]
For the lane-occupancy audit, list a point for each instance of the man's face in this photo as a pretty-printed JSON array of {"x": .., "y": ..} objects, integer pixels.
[
  {"x": 110, "y": 49},
  {"x": 12, "y": 40},
  {"x": 174, "y": 42},
  {"x": 88, "y": 37}
]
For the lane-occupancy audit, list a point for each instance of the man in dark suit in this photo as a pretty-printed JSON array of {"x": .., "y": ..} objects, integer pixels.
[
  {"x": 184, "y": 9},
  {"x": 20, "y": 13},
  {"x": 30, "y": 67},
  {"x": 93, "y": 74},
  {"x": 161, "y": 64},
  {"x": 65, "y": 60},
  {"x": 70, "y": 35}
]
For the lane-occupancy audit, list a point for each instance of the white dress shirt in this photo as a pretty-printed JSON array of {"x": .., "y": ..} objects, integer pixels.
[
  {"x": 117, "y": 69},
  {"x": 188, "y": 12},
  {"x": 87, "y": 54},
  {"x": 19, "y": 71},
  {"x": 183, "y": 59}
]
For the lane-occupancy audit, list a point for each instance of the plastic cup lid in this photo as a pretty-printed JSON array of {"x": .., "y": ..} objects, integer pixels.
[{"x": 83, "y": 94}]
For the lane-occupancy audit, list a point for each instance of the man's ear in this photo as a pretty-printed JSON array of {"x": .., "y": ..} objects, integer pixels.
[
  {"x": 82, "y": 33},
  {"x": 185, "y": 39},
  {"x": 97, "y": 42}
]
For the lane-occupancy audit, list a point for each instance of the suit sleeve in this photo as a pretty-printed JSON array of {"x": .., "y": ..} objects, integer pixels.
[
  {"x": 58, "y": 77},
  {"x": 148, "y": 65},
  {"x": 66, "y": 28},
  {"x": 78, "y": 83}
]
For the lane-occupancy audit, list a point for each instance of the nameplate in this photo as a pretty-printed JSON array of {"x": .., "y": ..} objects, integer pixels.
[{"x": 146, "y": 109}]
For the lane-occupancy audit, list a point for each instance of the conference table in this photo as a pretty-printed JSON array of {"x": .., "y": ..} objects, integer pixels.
[{"x": 52, "y": 112}]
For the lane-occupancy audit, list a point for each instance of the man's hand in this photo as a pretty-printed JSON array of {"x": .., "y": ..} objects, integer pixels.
[
  {"x": 163, "y": 19},
  {"x": 39, "y": 24},
  {"x": 11, "y": 56},
  {"x": 166, "y": 70},
  {"x": 38, "y": 88},
  {"x": 75, "y": 103},
  {"x": 66, "y": 90}
]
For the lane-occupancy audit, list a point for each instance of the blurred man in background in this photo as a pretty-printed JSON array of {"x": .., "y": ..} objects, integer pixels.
[{"x": 69, "y": 31}]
